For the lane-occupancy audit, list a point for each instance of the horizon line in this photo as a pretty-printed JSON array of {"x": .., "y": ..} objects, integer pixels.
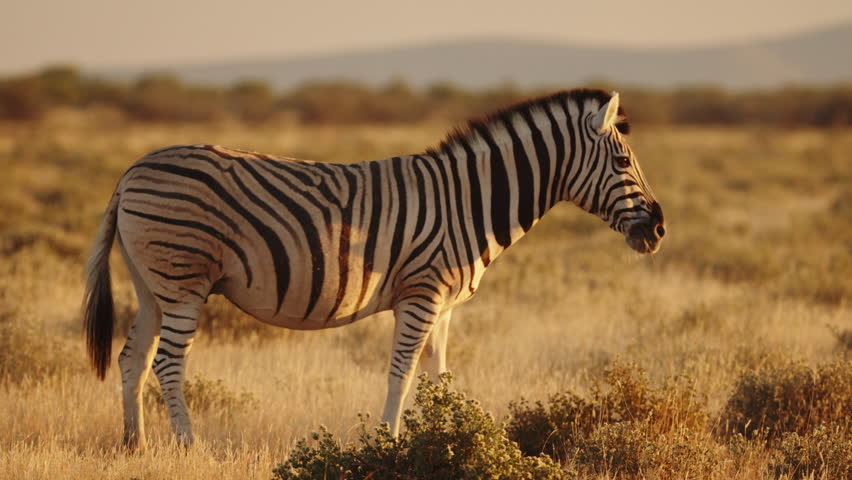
[{"x": 529, "y": 39}]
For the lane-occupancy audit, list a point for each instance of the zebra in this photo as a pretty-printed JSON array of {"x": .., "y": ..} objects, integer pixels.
[{"x": 309, "y": 245}]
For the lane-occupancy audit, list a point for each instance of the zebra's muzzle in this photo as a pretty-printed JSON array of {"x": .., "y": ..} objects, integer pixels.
[
  {"x": 645, "y": 236},
  {"x": 640, "y": 238}
]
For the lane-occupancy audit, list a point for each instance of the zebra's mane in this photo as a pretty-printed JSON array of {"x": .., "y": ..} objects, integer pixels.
[{"x": 577, "y": 96}]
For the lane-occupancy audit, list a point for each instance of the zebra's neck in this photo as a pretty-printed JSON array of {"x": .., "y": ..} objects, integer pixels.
[{"x": 511, "y": 172}]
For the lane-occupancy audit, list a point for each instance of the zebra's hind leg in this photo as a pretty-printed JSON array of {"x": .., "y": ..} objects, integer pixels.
[
  {"x": 135, "y": 359},
  {"x": 433, "y": 359},
  {"x": 176, "y": 336},
  {"x": 414, "y": 320}
]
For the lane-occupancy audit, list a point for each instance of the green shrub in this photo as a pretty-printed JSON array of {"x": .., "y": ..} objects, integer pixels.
[
  {"x": 789, "y": 399},
  {"x": 203, "y": 395},
  {"x": 447, "y": 436},
  {"x": 824, "y": 452}
]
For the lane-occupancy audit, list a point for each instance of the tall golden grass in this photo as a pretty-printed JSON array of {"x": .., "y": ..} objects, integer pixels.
[{"x": 754, "y": 273}]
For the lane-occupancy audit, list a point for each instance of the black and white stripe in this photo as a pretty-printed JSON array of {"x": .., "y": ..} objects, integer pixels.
[{"x": 316, "y": 245}]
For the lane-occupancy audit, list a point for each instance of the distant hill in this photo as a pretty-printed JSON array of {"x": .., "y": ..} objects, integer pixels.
[{"x": 814, "y": 57}]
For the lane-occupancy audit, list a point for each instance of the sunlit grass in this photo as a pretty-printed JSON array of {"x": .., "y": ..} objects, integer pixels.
[{"x": 754, "y": 272}]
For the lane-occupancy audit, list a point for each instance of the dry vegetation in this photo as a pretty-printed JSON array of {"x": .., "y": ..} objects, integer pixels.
[
  {"x": 723, "y": 356},
  {"x": 163, "y": 97}
]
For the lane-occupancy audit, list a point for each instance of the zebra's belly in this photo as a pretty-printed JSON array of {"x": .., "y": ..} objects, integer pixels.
[
  {"x": 312, "y": 322},
  {"x": 309, "y": 302},
  {"x": 326, "y": 313}
]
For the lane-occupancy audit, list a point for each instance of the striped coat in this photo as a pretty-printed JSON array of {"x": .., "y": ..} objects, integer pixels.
[{"x": 310, "y": 245}]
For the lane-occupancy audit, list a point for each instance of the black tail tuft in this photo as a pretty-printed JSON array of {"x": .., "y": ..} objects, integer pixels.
[
  {"x": 99, "y": 314},
  {"x": 99, "y": 318}
]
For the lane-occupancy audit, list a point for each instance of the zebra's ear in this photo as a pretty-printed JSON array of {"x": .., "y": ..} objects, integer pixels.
[{"x": 607, "y": 115}]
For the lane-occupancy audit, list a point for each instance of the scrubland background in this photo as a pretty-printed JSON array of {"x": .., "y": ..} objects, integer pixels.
[{"x": 753, "y": 278}]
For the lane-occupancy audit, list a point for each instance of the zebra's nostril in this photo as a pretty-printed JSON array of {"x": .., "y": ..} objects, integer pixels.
[{"x": 661, "y": 230}]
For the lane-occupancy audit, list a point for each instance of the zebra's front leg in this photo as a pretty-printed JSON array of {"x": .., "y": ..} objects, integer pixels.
[
  {"x": 176, "y": 336},
  {"x": 433, "y": 359},
  {"x": 414, "y": 321}
]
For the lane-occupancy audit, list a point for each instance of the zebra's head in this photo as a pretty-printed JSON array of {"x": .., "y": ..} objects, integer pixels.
[{"x": 616, "y": 190}]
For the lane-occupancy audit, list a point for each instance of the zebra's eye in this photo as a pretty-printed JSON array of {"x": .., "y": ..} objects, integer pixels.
[{"x": 623, "y": 161}]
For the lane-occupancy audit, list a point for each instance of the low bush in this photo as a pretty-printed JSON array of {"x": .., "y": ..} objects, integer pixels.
[
  {"x": 771, "y": 402},
  {"x": 561, "y": 427},
  {"x": 632, "y": 449},
  {"x": 446, "y": 436},
  {"x": 824, "y": 452},
  {"x": 203, "y": 395}
]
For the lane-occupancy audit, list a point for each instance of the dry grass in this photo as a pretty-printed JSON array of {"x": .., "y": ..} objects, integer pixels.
[{"x": 754, "y": 274}]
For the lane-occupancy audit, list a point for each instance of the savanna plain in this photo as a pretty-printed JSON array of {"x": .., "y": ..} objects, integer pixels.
[{"x": 725, "y": 355}]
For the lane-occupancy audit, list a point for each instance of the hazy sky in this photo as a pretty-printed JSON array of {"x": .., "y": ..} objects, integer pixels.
[{"x": 100, "y": 33}]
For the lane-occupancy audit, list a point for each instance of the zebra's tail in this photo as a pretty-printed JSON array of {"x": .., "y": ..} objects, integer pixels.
[{"x": 99, "y": 312}]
